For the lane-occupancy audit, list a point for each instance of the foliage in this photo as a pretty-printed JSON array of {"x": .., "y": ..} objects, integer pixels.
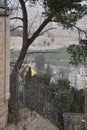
[
  {"x": 61, "y": 11},
  {"x": 40, "y": 61},
  {"x": 51, "y": 100},
  {"x": 76, "y": 100},
  {"x": 65, "y": 12},
  {"x": 78, "y": 53},
  {"x": 11, "y": 118},
  {"x": 59, "y": 58},
  {"x": 42, "y": 78},
  {"x": 72, "y": 99},
  {"x": 63, "y": 84},
  {"x": 48, "y": 70},
  {"x": 62, "y": 93},
  {"x": 31, "y": 107}
]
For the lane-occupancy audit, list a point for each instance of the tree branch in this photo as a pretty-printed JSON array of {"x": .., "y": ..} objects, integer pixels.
[
  {"x": 38, "y": 31},
  {"x": 46, "y": 31},
  {"x": 25, "y": 21},
  {"x": 80, "y": 30},
  {"x": 72, "y": 25},
  {"x": 30, "y": 25},
  {"x": 19, "y": 18},
  {"x": 16, "y": 28}
]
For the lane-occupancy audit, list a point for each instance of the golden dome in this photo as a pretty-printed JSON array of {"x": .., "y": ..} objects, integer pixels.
[{"x": 25, "y": 71}]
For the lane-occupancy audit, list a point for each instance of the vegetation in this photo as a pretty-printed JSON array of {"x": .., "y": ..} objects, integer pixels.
[
  {"x": 78, "y": 53},
  {"x": 52, "y": 100},
  {"x": 40, "y": 62},
  {"x": 11, "y": 118},
  {"x": 61, "y": 56},
  {"x": 57, "y": 55},
  {"x": 53, "y": 11},
  {"x": 31, "y": 108},
  {"x": 61, "y": 11},
  {"x": 48, "y": 70}
]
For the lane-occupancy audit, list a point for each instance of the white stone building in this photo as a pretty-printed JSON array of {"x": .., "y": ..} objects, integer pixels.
[
  {"x": 78, "y": 78},
  {"x": 73, "y": 76}
]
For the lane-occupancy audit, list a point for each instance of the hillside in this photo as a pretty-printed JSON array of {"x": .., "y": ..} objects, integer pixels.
[
  {"x": 62, "y": 37},
  {"x": 33, "y": 122}
]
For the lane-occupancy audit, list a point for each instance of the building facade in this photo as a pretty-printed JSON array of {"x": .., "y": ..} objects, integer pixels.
[
  {"x": 78, "y": 78},
  {"x": 4, "y": 66},
  {"x": 73, "y": 77}
]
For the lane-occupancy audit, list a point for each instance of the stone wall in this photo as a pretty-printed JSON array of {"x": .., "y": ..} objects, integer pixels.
[{"x": 4, "y": 67}]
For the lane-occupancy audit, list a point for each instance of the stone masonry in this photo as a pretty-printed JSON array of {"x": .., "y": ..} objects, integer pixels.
[{"x": 4, "y": 66}]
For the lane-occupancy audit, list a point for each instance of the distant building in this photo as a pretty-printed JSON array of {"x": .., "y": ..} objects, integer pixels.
[
  {"x": 56, "y": 75},
  {"x": 54, "y": 79},
  {"x": 78, "y": 78},
  {"x": 73, "y": 76},
  {"x": 82, "y": 78}
]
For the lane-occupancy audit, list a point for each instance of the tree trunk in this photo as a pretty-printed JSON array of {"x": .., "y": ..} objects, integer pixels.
[{"x": 61, "y": 120}]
